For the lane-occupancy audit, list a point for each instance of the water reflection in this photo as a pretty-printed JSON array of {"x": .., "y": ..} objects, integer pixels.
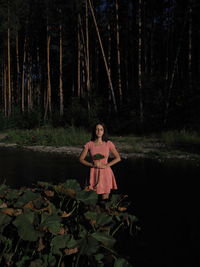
[{"x": 163, "y": 193}]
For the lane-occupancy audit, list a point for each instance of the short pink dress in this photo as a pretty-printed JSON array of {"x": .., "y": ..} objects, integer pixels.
[{"x": 101, "y": 180}]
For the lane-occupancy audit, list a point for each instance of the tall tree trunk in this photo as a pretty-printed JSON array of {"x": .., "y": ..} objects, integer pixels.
[
  {"x": 84, "y": 62},
  {"x": 38, "y": 86},
  {"x": 175, "y": 65},
  {"x": 9, "y": 75},
  {"x": 190, "y": 46},
  {"x": 152, "y": 60},
  {"x": 166, "y": 72},
  {"x": 140, "y": 61},
  {"x": 48, "y": 98},
  {"x": 109, "y": 57},
  {"x": 87, "y": 55},
  {"x": 18, "y": 69},
  {"x": 79, "y": 63},
  {"x": 118, "y": 53},
  {"x": 23, "y": 76},
  {"x": 5, "y": 83},
  {"x": 29, "y": 86},
  {"x": 61, "y": 73},
  {"x": 104, "y": 57}
]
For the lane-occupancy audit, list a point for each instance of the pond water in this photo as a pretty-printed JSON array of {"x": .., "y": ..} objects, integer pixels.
[{"x": 163, "y": 196}]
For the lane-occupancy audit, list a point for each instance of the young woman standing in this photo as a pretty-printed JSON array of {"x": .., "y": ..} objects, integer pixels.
[{"x": 102, "y": 179}]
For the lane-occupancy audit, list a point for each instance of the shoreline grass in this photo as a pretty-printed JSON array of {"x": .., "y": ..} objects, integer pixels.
[
  {"x": 48, "y": 136},
  {"x": 163, "y": 143}
]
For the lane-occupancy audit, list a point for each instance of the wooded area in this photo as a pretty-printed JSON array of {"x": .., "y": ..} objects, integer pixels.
[{"x": 132, "y": 64}]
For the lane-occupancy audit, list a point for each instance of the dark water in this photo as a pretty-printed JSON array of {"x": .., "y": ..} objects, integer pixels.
[{"x": 164, "y": 196}]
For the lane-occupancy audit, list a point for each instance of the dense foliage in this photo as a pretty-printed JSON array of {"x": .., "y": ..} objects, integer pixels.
[{"x": 50, "y": 225}]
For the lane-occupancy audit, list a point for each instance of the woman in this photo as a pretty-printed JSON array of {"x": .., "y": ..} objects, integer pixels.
[{"x": 102, "y": 179}]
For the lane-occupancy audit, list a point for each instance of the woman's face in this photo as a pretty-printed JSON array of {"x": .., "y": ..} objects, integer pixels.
[{"x": 99, "y": 130}]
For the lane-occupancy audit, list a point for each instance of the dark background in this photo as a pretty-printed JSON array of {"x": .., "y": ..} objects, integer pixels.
[{"x": 151, "y": 49}]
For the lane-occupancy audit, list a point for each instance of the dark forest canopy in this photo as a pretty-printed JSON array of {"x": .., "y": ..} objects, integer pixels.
[{"x": 130, "y": 63}]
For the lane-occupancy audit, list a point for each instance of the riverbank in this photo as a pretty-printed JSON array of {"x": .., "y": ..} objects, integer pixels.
[{"x": 145, "y": 148}]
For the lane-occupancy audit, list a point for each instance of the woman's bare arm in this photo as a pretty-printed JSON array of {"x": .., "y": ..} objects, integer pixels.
[
  {"x": 83, "y": 156},
  {"x": 116, "y": 159}
]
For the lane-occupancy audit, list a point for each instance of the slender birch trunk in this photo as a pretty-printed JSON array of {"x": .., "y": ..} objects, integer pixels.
[
  {"x": 79, "y": 63},
  {"x": 23, "y": 76},
  {"x": 38, "y": 87},
  {"x": 18, "y": 68},
  {"x": 61, "y": 73},
  {"x": 9, "y": 75},
  {"x": 118, "y": 53},
  {"x": 152, "y": 47},
  {"x": 190, "y": 47},
  {"x": 48, "y": 97},
  {"x": 83, "y": 53},
  {"x": 104, "y": 57},
  {"x": 109, "y": 56},
  {"x": 140, "y": 61},
  {"x": 175, "y": 65},
  {"x": 29, "y": 85},
  {"x": 5, "y": 84},
  {"x": 87, "y": 55}
]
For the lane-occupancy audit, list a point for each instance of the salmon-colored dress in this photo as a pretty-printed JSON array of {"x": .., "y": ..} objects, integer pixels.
[{"x": 101, "y": 180}]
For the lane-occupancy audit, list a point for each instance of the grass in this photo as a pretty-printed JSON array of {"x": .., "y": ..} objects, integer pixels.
[
  {"x": 164, "y": 144},
  {"x": 181, "y": 137},
  {"x": 48, "y": 136}
]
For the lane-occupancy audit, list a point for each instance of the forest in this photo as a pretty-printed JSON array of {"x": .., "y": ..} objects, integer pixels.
[{"x": 132, "y": 64}]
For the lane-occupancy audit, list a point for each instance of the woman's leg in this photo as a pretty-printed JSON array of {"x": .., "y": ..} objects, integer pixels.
[{"x": 105, "y": 196}]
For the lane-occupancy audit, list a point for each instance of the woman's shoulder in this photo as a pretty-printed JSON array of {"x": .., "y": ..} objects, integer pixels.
[
  {"x": 88, "y": 144},
  {"x": 110, "y": 144}
]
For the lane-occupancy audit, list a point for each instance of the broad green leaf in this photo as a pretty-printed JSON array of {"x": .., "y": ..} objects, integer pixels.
[
  {"x": 87, "y": 197},
  {"x": 25, "y": 198},
  {"x": 72, "y": 243},
  {"x": 133, "y": 218},
  {"x": 100, "y": 218},
  {"x": 52, "y": 222},
  {"x": 44, "y": 184},
  {"x": 4, "y": 221},
  {"x": 23, "y": 261},
  {"x": 105, "y": 239},
  {"x": 122, "y": 263},
  {"x": 115, "y": 198},
  {"x": 7, "y": 243},
  {"x": 14, "y": 194},
  {"x": 40, "y": 203},
  {"x": 89, "y": 246},
  {"x": 3, "y": 188},
  {"x": 59, "y": 242},
  {"x": 24, "y": 224},
  {"x": 98, "y": 156},
  {"x": 72, "y": 184},
  {"x": 91, "y": 215},
  {"x": 36, "y": 263},
  {"x": 99, "y": 257},
  {"x": 103, "y": 219},
  {"x": 49, "y": 260}
]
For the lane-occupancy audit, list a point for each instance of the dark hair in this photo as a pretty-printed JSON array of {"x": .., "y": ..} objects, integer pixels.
[{"x": 104, "y": 137}]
